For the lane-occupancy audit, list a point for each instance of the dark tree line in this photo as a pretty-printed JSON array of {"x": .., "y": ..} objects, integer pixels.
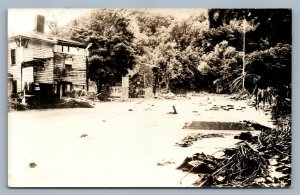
[{"x": 200, "y": 52}]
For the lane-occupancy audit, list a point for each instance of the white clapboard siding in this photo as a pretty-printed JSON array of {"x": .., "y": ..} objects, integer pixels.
[
  {"x": 28, "y": 53},
  {"x": 15, "y": 69},
  {"x": 79, "y": 69},
  {"x": 46, "y": 51},
  {"x": 40, "y": 49},
  {"x": 79, "y": 62}
]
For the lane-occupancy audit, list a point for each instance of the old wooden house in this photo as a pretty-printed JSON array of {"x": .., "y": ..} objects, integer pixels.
[{"x": 45, "y": 66}]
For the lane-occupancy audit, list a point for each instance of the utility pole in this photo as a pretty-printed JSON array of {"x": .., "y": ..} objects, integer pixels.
[{"x": 244, "y": 45}]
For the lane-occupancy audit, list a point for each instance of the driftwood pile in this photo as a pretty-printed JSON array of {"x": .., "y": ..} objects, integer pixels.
[{"x": 265, "y": 162}]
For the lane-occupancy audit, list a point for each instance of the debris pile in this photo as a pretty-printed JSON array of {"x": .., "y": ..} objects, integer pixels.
[
  {"x": 237, "y": 170},
  {"x": 73, "y": 103},
  {"x": 199, "y": 163},
  {"x": 67, "y": 102},
  {"x": 190, "y": 139},
  {"x": 263, "y": 161},
  {"x": 247, "y": 137},
  {"x": 275, "y": 144}
]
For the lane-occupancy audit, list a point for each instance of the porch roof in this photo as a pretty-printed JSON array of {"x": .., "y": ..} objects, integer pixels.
[
  {"x": 48, "y": 38},
  {"x": 37, "y": 62}
]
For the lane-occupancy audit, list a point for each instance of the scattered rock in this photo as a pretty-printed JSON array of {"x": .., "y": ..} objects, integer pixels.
[
  {"x": 32, "y": 165},
  {"x": 84, "y": 135},
  {"x": 130, "y": 109}
]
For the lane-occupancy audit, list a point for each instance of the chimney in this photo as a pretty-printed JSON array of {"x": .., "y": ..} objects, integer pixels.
[{"x": 40, "y": 23}]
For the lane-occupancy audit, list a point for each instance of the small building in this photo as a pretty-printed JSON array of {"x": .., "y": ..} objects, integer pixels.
[
  {"x": 141, "y": 81},
  {"x": 138, "y": 83},
  {"x": 45, "y": 66}
]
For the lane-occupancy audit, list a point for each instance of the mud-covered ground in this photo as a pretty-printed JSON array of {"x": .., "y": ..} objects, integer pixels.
[{"x": 120, "y": 144}]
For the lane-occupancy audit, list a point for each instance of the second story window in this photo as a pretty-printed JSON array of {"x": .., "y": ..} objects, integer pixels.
[
  {"x": 68, "y": 63},
  {"x": 13, "y": 56}
]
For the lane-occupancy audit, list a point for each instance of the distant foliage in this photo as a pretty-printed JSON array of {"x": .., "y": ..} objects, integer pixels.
[{"x": 200, "y": 52}]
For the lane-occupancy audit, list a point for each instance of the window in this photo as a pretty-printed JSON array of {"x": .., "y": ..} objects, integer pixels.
[
  {"x": 13, "y": 56},
  {"x": 68, "y": 63},
  {"x": 68, "y": 66}
]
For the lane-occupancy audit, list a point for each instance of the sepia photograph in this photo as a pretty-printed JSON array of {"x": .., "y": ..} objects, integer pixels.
[{"x": 181, "y": 98}]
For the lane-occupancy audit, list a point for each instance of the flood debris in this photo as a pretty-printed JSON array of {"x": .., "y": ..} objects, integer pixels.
[
  {"x": 217, "y": 125},
  {"x": 265, "y": 162},
  {"x": 65, "y": 102},
  {"x": 247, "y": 136},
  {"x": 74, "y": 103},
  {"x": 83, "y": 135},
  {"x": 199, "y": 163},
  {"x": 165, "y": 162},
  {"x": 244, "y": 165},
  {"x": 190, "y": 139},
  {"x": 32, "y": 165},
  {"x": 16, "y": 105},
  {"x": 227, "y": 107},
  {"x": 168, "y": 96},
  {"x": 256, "y": 126},
  {"x": 174, "y": 111}
]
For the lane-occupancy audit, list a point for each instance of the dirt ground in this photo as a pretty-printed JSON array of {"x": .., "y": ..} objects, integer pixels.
[{"x": 118, "y": 144}]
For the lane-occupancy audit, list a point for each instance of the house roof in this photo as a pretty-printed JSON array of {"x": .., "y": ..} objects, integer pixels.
[{"x": 49, "y": 38}]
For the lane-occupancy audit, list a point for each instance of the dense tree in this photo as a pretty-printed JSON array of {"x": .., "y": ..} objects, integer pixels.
[
  {"x": 112, "y": 52},
  {"x": 200, "y": 52},
  {"x": 272, "y": 25}
]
